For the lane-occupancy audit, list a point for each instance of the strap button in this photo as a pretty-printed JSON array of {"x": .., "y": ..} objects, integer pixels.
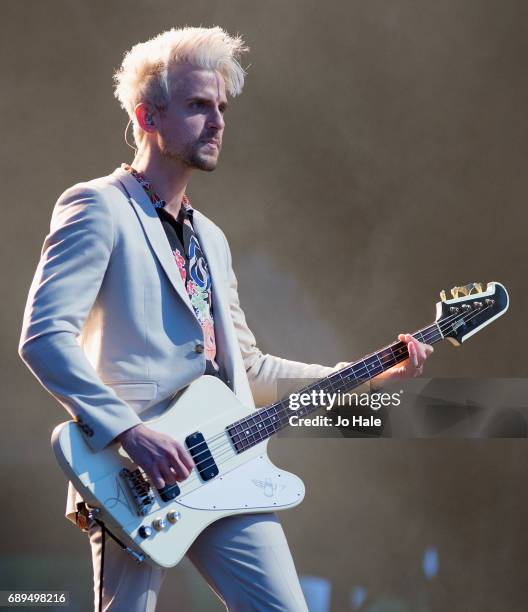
[{"x": 199, "y": 348}]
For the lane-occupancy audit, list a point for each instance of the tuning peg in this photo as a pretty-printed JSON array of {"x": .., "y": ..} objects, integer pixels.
[
  {"x": 443, "y": 295},
  {"x": 454, "y": 292},
  {"x": 479, "y": 287},
  {"x": 474, "y": 288}
]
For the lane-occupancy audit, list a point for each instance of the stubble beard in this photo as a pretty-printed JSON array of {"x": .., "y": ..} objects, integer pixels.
[{"x": 191, "y": 156}]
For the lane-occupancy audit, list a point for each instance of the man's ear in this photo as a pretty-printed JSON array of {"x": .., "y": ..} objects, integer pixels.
[{"x": 146, "y": 117}]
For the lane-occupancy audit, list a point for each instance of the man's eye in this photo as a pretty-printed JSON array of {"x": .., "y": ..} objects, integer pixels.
[{"x": 197, "y": 104}]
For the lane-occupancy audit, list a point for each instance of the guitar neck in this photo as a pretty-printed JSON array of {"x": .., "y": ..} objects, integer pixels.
[{"x": 265, "y": 422}]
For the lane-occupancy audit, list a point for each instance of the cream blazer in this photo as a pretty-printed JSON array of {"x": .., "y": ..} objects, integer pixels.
[{"x": 108, "y": 326}]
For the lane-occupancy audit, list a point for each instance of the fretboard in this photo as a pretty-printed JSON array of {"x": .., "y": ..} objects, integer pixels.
[{"x": 263, "y": 423}]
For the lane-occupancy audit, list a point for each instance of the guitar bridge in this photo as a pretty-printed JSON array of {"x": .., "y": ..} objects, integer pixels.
[{"x": 139, "y": 488}]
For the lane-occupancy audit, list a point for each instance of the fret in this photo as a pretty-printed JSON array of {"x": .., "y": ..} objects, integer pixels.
[
  {"x": 351, "y": 380},
  {"x": 275, "y": 420},
  {"x": 321, "y": 384},
  {"x": 358, "y": 369},
  {"x": 430, "y": 334},
  {"x": 254, "y": 430},
  {"x": 247, "y": 433},
  {"x": 270, "y": 426},
  {"x": 267, "y": 428},
  {"x": 302, "y": 411},
  {"x": 336, "y": 382},
  {"x": 282, "y": 414},
  {"x": 280, "y": 410},
  {"x": 373, "y": 365},
  {"x": 437, "y": 334},
  {"x": 386, "y": 358},
  {"x": 263, "y": 423},
  {"x": 238, "y": 440},
  {"x": 399, "y": 351},
  {"x": 328, "y": 385},
  {"x": 239, "y": 444},
  {"x": 252, "y": 427},
  {"x": 280, "y": 407},
  {"x": 260, "y": 425}
]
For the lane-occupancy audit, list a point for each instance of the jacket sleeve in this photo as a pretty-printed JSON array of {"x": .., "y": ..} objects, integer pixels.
[
  {"x": 270, "y": 376},
  {"x": 74, "y": 258}
]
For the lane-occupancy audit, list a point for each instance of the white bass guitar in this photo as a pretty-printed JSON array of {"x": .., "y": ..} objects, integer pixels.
[{"x": 227, "y": 441}]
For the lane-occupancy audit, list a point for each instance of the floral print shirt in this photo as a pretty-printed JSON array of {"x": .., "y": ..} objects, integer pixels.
[{"x": 191, "y": 263}]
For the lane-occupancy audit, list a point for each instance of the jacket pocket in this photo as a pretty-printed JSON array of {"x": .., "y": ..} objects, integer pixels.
[{"x": 135, "y": 391}]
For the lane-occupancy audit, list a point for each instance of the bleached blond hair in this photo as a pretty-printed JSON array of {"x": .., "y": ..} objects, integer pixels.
[{"x": 144, "y": 75}]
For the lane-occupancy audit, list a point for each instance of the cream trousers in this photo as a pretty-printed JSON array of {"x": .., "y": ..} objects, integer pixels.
[{"x": 244, "y": 558}]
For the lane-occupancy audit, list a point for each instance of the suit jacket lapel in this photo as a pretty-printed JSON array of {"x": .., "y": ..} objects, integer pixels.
[{"x": 154, "y": 231}]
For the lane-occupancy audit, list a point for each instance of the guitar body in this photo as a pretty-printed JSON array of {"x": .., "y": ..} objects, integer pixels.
[{"x": 246, "y": 482}]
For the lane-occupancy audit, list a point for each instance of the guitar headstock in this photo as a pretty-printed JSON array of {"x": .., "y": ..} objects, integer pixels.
[{"x": 469, "y": 309}]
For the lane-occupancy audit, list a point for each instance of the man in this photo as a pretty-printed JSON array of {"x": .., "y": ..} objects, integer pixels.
[{"x": 135, "y": 297}]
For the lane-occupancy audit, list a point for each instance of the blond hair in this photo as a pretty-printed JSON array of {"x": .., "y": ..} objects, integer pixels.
[{"x": 144, "y": 73}]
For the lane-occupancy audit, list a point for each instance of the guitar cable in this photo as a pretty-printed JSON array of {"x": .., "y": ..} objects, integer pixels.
[
  {"x": 104, "y": 530},
  {"x": 101, "y": 567}
]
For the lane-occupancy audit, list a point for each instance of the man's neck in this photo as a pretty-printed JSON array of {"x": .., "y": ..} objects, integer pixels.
[{"x": 168, "y": 177}]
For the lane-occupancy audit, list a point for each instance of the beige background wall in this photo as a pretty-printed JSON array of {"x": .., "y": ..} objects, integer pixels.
[{"x": 377, "y": 155}]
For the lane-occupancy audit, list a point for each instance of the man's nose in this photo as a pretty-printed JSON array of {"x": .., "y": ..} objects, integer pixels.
[{"x": 216, "y": 119}]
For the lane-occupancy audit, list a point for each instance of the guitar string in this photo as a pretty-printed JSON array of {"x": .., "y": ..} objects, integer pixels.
[
  {"x": 425, "y": 337},
  {"x": 211, "y": 440},
  {"x": 228, "y": 445},
  {"x": 282, "y": 411},
  {"x": 393, "y": 347},
  {"x": 429, "y": 335},
  {"x": 229, "y": 448}
]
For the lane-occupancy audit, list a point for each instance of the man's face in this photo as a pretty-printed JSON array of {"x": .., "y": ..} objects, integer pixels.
[{"x": 191, "y": 127}]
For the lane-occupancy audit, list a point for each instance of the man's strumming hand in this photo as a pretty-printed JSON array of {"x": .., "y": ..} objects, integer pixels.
[{"x": 164, "y": 460}]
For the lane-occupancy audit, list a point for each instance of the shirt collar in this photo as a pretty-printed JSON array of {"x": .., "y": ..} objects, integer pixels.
[{"x": 186, "y": 210}]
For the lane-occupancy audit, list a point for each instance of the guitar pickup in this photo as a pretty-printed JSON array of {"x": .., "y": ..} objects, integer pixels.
[
  {"x": 202, "y": 457},
  {"x": 169, "y": 492}
]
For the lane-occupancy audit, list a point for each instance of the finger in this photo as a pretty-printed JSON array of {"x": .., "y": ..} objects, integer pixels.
[
  {"x": 401, "y": 337},
  {"x": 180, "y": 470},
  {"x": 427, "y": 350},
  {"x": 155, "y": 477},
  {"x": 185, "y": 457},
  {"x": 410, "y": 342},
  {"x": 418, "y": 371},
  {"x": 421, "y": 351},
  {"x": 411, "y": 347},
  {"x": 167, "y": 474}
]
